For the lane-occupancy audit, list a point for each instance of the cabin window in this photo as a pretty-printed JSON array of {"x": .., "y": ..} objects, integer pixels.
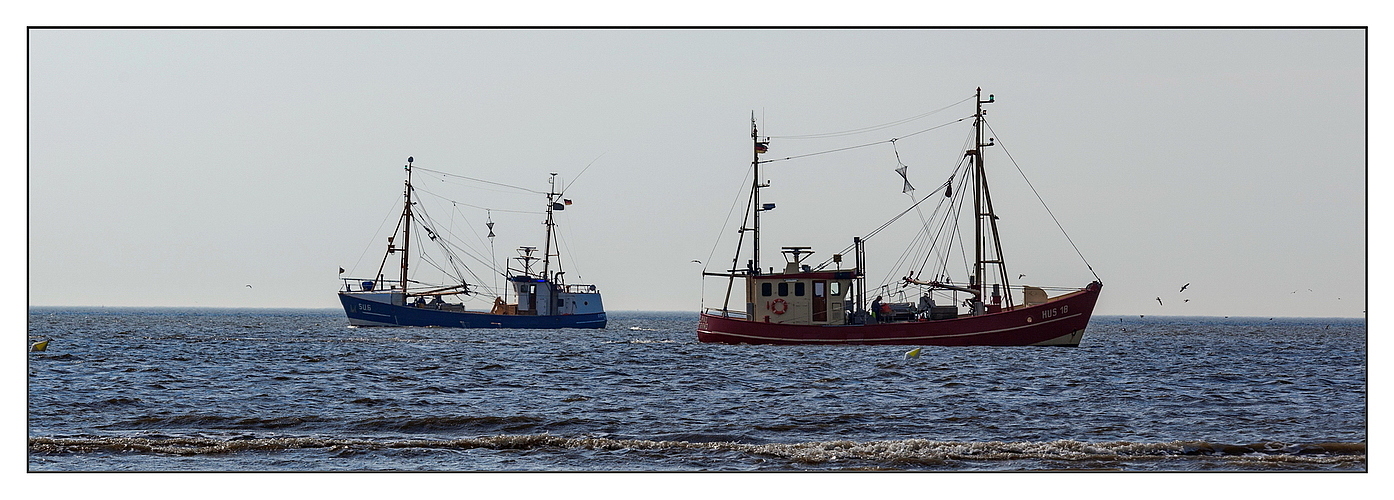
[
  {"x": 835, "y": 289},
  {"x": 783, "y": 289},
  {"x": 798, "y": 289},
  {"x": 766, "y": 289}
]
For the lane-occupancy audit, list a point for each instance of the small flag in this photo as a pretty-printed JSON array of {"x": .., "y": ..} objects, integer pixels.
[
  {"x": 566, "y": 201},
  {"x": 341, "y": 270},
  {"x": 558, "y": 206},
  {"x": 762, "y": 147},
  {"x": 908, "y": 188}
]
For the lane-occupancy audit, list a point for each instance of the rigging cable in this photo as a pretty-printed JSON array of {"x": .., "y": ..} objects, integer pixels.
[
  {"x": 729, "y": 211},
  {"x": 926, "y": 230},
  {"x": 926, "y": 239},
  {"x": 445, "y": 245},
  {"x": 1043, "y": 204},
  {"x": 561, "y": 245},
  {"x": 868, "y": 129},
  {"x": 887, "y": 224},
  {"x": 479, "y": 180},
  {"x": 390, "y": 211},
  {"x": 923, "y": 237},
  {"x": 867, "y": 144},
  {"x": 416, "y": 188},
  {"x": 578, "y": 176},
  {"x": 953, "y": 213}
]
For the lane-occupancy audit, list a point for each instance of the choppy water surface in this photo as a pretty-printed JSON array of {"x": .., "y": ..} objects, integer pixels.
[{"x": 297, "y": 390}]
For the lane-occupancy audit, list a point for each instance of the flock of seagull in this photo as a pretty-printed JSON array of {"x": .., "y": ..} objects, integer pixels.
[{"x": 1183, "y": 288}]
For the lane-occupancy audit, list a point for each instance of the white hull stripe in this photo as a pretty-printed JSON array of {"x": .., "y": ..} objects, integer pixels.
[{"x": 887, "y": 339}]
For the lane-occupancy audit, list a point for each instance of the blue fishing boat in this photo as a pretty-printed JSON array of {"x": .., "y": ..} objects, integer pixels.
[{"x": 540, "y": 298}]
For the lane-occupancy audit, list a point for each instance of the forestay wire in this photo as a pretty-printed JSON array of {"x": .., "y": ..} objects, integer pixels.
[{"x": 1043, "y": 204}]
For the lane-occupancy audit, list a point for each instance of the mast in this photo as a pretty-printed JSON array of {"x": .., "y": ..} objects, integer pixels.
[
  {"x": 547, "y": 251},
  {"x": 977, "y": 276},
  {"x": 547, "y": 243},
  {"x": 406, "y": 226},
  {"x": 752, "y": 210},
  {"x": 985, "y": 218},
  {"x": 755, "y": 193}
]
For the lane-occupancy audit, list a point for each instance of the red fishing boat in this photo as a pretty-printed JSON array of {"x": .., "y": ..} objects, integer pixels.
[{"x": 811, "y": 304}]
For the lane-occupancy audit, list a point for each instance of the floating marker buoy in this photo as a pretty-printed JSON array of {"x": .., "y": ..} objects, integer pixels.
[
  {"x": 914, "y": 353},
  {"x": 40, "y": 346}
]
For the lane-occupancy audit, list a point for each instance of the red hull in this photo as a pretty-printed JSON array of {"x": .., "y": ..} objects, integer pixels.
[{"x": 1060, "y": 321}]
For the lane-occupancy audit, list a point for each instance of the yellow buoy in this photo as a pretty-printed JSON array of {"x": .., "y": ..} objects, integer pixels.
[
  {"x": 41, "y": 346},
  {"x": 914, "y": 353}
]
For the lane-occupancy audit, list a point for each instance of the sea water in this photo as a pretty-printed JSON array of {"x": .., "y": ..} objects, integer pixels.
[{"x": 299, "y": 390}]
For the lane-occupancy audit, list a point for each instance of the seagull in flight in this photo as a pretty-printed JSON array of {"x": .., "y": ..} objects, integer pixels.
[
  {"x": 697, "y": 261},
  {"x": 1159, "y": 301},
  {"x": 1183, "y": 287},
  {"x": 249, "y": 286}
]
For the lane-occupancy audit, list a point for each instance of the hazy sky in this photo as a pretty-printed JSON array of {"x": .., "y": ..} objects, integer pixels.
[{"x": 175, "y": 167}]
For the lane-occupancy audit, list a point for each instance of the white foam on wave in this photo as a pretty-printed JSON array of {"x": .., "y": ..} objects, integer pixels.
[{"x": 907, "y": 451}]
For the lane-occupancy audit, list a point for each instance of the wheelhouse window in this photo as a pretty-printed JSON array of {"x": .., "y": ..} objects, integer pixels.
[
  {"x": 799, "y": 289},
  {"x": 783, "y": 289},
  {"x": 765, "y": 289},
  {"x": 834, "y": 289}
]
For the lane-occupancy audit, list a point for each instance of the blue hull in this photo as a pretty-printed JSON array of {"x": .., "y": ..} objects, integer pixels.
[{"x": 367, "y": 312}]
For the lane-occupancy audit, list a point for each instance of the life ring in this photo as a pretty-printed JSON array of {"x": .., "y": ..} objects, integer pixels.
[{"x": 779, "y": 306}]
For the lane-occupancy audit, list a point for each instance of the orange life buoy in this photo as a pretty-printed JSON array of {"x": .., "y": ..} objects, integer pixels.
[{"x": 779, "y": 306}]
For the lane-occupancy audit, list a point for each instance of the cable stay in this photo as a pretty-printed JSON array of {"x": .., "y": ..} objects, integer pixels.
[
  {"x": 891, "y": 140},
  {"x": 1047, "y": 208},
  {"x": 868, "y": 129}
]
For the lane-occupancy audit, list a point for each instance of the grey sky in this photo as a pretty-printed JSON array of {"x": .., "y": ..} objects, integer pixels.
[{"x": 174, "y": 167}]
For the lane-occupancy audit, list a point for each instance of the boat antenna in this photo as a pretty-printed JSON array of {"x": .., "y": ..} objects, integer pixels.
[{"x": 578, "y": 176}]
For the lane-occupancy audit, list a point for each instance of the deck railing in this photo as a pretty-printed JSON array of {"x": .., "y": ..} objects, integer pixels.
[
  {"x": 724, "y": 312},
  {"x": 366, "y": 285}
]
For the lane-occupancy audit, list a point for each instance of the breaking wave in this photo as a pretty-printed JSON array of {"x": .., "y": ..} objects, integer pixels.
[{"x": 907, "y": 452}]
